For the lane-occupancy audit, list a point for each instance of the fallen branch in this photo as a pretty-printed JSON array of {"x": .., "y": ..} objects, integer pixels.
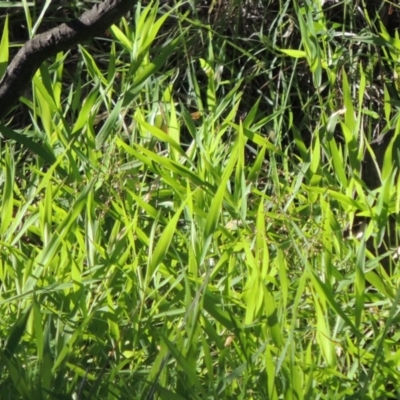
[{"x": 23, "y": 67}]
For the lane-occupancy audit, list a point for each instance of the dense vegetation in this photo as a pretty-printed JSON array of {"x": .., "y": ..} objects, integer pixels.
[{"x": 178, "y": 205}]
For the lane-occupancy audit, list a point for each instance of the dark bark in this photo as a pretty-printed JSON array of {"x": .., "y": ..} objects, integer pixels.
[{"x": 22, "y": 68}]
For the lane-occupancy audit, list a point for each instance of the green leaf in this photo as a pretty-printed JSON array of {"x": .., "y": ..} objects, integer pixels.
[
  {"x": 7, "y": 204},
  {"x": 17, "y": 331},
  {"x": 4, "y": 48},
  {"x": 163, "y": 244},
  {"x": 294, "y": 53},
  {"x": 186, "y": 368},
  {"x": 38, "y": 149},
  {"x": 156, "y": 64},
  {"x": 360, "y": 283},
  {"x": 122, "y": 38},
  {"x": 92, "y": 67},
  {"x": 215, "y": 208},
  {"x": 49, "y": 251}
]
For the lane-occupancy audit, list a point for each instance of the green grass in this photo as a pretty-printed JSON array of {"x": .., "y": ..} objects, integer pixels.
[{"x": 173, "y": 208}]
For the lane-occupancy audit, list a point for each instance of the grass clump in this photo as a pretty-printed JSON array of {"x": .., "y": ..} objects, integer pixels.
[{"x": 174, "y": 201}]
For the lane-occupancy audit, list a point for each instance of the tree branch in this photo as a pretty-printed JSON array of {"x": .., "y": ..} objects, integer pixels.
[{"x": 23, "y": 67}]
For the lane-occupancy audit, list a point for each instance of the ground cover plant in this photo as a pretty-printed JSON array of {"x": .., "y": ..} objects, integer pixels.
[{"x": 179, "y": 199}]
